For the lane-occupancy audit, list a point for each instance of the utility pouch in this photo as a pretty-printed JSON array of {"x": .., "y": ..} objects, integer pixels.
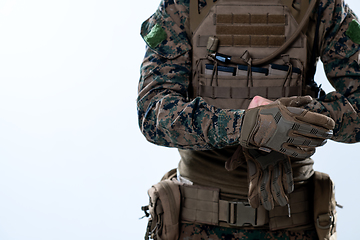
[
  {"x": 324, "y": 206},
  {"x": 164, "y": 208}
]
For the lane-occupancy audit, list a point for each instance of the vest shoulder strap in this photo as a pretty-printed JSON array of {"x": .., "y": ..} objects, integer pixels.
[{"x": 197, "y": 16}]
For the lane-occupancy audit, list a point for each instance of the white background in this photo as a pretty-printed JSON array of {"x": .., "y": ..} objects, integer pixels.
[{"x": 73, "y": 163}]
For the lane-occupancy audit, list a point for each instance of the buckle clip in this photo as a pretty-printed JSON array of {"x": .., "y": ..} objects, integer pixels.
[
  {"x": 325, "y": 217},
  {"x": 241, "y": 214}
]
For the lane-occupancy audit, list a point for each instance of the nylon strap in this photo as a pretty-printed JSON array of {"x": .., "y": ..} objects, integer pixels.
[
  {"x": 267, "y": 41},
  {"x": 202, "y": 205},
  {"x": 247, "y": 92}
]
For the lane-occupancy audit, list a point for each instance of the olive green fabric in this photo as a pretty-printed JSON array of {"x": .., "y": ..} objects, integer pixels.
[
  {"x": 155, "y": 36},
  {"x": 353, "y": 31},
  {"x": 206, "y": 168}
]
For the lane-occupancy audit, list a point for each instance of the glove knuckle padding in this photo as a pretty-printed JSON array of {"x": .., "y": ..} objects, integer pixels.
[
  {"x": 278, "y": 127},
  {"x": 304, "y": 141},
  {"x": 313, "y": 118}
]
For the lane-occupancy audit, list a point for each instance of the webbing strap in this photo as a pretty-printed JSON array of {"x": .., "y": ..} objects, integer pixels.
[
  {"x": 202, "y": 205},
  {"x": 247, "y": 92},
  {"x": 247, "y": 40},
  {"x": 250, "y": 18},
  {"x": 250, "y": 30}
]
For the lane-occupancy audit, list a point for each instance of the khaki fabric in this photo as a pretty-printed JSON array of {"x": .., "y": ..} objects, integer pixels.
[
  {"x": 164, "y": 208},
  {"x": 250, "y": 30},
  {"x": 325, "y": 216},
  {"x": 257, "y": 28},
  {"x": 207, "y": 167}
]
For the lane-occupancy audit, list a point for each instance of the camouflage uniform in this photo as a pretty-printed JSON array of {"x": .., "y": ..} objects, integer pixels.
[
  {"x": 167, "y": 117},
  {"x": 199, "y": 232}
]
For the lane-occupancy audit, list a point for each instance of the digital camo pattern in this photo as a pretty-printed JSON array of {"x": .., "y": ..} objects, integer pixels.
[
  {"x": 168, "y": 118},
  {"x": 340, "y": 56},
  {"x": 202, "y": 232},
  {"x": 165, "y": 116}
]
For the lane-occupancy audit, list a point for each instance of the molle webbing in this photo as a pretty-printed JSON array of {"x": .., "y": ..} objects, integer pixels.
[
  {"x": 197, "y": 15},
  {"x": 246, "y": 92},
  {"x": 252, "y": 33},
  {"x": 250, "y": 30},
  {"x": 265, "y": 41},
  {"x": 250, "y": 19},
  {"x": 247, "y": 41},
  {"x": 204, "y": 205}
]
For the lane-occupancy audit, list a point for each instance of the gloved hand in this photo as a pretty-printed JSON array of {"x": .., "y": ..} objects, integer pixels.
[
  {"x": 270, "y": 178},
  {"x": 292, "y": 131},
  {"x": 237, "y": 159}
]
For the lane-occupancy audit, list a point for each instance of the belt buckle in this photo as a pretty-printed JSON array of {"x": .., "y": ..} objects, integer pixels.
[{"x": 241, "y": 214}]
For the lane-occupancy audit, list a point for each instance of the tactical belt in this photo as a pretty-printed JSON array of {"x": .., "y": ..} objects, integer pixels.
[{"x": 203, "y": 205}]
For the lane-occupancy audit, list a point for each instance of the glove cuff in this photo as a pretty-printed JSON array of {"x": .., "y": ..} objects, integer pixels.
[{"x": 248, "y": 127}]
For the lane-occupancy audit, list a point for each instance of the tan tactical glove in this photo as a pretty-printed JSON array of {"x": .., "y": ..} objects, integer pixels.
[
  {"x": 237, "y": 159},
  {"x": 270, "y": 178},
  {"x": 292, "y": 131}
]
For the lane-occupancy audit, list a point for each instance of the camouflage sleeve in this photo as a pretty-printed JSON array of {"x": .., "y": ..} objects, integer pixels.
[
  {"x": 339, "y": 51},
  {"x": 166, "y": 116}
]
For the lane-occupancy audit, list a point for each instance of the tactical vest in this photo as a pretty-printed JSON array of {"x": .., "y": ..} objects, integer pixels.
[
  {"x": 245, "y": 32},
  {"x": 230, "y": 74}
]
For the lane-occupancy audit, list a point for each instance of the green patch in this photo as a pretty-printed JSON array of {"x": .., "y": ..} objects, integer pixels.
[
  {"x": 353, "y": 31},
  {"x": 155, "y": 36}
]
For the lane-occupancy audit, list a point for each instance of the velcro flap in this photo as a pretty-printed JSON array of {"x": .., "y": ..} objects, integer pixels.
[{"x": 164, "y": 37}]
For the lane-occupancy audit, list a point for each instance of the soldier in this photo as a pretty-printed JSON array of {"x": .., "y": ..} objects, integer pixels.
[{"x": 231, "y": 85}]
